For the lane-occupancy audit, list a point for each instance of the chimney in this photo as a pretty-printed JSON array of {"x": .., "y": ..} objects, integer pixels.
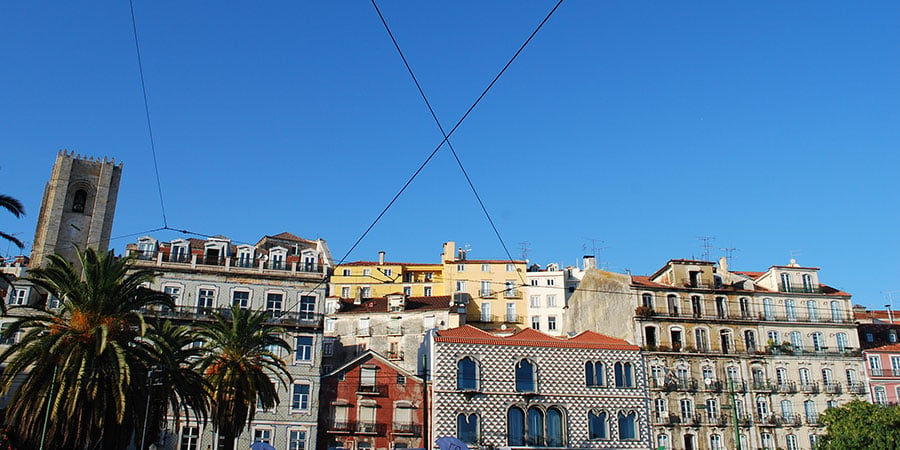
[
  {"x": 723, "y": 264},
  {"x": 890, "y": 313},
  {"x": 461, "y": 254},
  {"x": 590, "y": 262},
  {"x": 381, "y": 257}
]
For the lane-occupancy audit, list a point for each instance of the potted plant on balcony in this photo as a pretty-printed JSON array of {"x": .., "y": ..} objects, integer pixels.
[{"x": 643, "y": 311}]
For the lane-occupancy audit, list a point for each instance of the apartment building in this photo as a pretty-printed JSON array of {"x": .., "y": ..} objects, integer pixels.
[
  {"x": 285, "y": 276},
  {"x": 547, "y": 290},
  {"x": 734, "y": 359}
]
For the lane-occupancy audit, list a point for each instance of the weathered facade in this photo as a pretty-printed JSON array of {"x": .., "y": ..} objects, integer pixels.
[
  {"x": 548, "y": 290},
  {"x": 372, "y": 403},
  {"x": 530, "y": 389},
  {"x": 283, "y": 275},
  {"x": 752, "y": 354}
]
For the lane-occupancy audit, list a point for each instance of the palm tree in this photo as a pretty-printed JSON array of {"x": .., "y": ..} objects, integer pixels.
[
  {"x": 238, "y": 363},
  {"x": 173, "y": 355},
  {"x": 15, "y": 207},
  {"x": 78, "y": 368}
]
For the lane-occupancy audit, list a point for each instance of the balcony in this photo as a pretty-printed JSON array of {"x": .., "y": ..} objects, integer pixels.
[
  {"x": 736, "y": 316},
  {"x": 768, "y": 420},
  {"x": 813, "y": 420},
  {"x": 762, "y": 386},
  {"x": 886, "y": 373},
  {"x": 787, "y": 387},
  {"x": 809, "y": 388},
  {"x": 665, "y": 419},
  {"x": 719, "y": 420},
  {"x": 192, "y": 313},
  {"x": 793, "y": 420},
  {"x": 225, "y": 263},
  {"x": 499, "y": 318},
  {"x": 857, "y": 388},
  {"x": 710, "y": 385},
  {"x": 372, "y": 389},
  {"x": 411, "y": 429},
  {"x": 370, "y": 428},
  {"x": 395, "y": 355},
  {"x": 799, "y": 289},
  {"x": 341, "y": 427},
  {"x": 832, "y": 388}
]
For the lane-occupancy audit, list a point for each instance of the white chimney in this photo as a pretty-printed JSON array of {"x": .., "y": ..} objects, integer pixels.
[
  {"x": 590, "y": 262},
  {"x": 381, "y": 257}
]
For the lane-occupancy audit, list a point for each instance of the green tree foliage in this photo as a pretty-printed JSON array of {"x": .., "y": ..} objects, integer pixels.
[
  {"x": 81, "y": 366},
  {"x": 238, "y": 364},
  {"x": 15, "y": 207},
  {"x": 861, "y": 425}
]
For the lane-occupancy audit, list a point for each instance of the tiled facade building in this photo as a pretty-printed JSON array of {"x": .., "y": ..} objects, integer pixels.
[
  {"x": 370, "y": 403},
  {"x": 283, "y": 275},
  {"x": 766, "y": 351},
  {"x": 530, "y": 389}
]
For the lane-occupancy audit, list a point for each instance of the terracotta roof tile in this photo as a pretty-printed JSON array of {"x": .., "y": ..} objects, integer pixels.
[
  {"x": 532, "y": 338},
  {"x": 893, "y": 348},
  {"x": 380, "y": 304}
]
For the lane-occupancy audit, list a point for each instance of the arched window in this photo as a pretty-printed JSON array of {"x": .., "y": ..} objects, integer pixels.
[
  {"x": 768, "y": 309},
  {"x": 597, "y": 425},
  {"x": 696, "y": 306},
  {"x": 555, "y": 428},
  {"x": 626, "y": 426},
  {"x": 715, "y": 442},
  {"x": 787, "y": 410},
  {"x": 593, "y": 373},
  {"x": 647, "y": 300},
  {"x": 672, "y": 301},
  {"x": 812, "y": 311},
  {"x": 525, "y": 376},
  {"x": 750, "y": 341},
  {"x": 535, "y": 432},
  {"x": 836, "y": 315},
  {"x": 466, "y": 374},
  {"x": 762, "y": 408},
  {"x": 818, "y": 341},
  {"x": 796, "y": 341},
  {"x": 790, "y": 312},
  {"x": 841, "y": 341},
  {"x": 467, "y": 428},
  {"x": 515, "y": 423},
  {"x": 662, "y": 441},
  {"x": 807, "y": 283},
  {"x": 701, "y": 339},
  {"x": 79, "y": 201},
  {"x": 624, "y": 373},
  {"x": 746, "y": 312}
]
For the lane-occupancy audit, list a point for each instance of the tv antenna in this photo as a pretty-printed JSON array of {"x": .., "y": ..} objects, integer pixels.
[
  {"x": 525, "y": 249},
  {"x": 729, "y": 255},
  {"x": 707, "y": 245}
]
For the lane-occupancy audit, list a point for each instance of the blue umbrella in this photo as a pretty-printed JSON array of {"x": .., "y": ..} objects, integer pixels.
[
  {"x": 451, "y": 443},
  {"x": 261, "y": 446}
]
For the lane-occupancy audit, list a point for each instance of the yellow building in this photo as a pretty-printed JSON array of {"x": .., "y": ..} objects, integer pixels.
[{"x": 493, "y": 290}]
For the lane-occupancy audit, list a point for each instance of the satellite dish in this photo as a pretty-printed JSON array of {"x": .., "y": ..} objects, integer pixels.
[{"x": 707, "y": 381}]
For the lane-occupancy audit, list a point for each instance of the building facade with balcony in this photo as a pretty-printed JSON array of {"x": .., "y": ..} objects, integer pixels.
[
  {"x": 283, "y": 275},
  {"x": 883, "y": 373},
  {"x": 533, "y": 390},
  {"x": 370, "y": 403},
  {"x": 375, "y": 279},
  {"x": 394, "y": 326},
  {"x": 757, "y": 355}
]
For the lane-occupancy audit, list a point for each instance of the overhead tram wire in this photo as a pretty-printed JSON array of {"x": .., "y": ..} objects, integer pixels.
[
  {"x": 137, "y": 49},
  {"x": 438, "y": 147},
  {"x": 441, "y": 127}
]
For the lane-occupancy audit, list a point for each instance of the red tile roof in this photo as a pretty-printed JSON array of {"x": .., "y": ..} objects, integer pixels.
[
  {"x": 532, "y": 338},
  {"x": 881, "y": 315},
  {"x": 753, "y": 275},
  {"x": 386, "y": 263},
  {"x": 892, "y": 348},
  {"x": 380, "y": 305}
]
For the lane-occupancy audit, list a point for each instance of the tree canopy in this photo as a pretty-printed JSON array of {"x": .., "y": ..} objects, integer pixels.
[{"x": 861, "y": 425}]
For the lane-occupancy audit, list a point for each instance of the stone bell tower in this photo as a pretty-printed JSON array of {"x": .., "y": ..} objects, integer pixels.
[{"x": 78, "y": 207}]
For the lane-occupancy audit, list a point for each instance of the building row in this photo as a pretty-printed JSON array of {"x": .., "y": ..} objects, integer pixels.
[{"x": 501, "y": 353}]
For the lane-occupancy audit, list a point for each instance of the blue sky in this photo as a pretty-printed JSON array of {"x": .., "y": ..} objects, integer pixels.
[{"x": 771, "y": 126}]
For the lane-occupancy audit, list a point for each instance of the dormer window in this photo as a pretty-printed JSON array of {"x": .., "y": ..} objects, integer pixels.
[
  {"x": 244, "y": 256},
  {"x": 785, "y": 282},
  {"x": 146, "y": 248},
  {"x": 309, "y": 261},
  {"x": 179, "y": 251},
  {"x": 695, "y": 279},
  {"x": 277, "y": 256},
  {"x": 79, "y": 201},
  {"x": 807, "y": 283}
]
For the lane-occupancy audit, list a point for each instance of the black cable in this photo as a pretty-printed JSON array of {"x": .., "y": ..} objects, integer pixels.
[
  {"x": 438, "y": 122},
  {"x": 137, "y": 48}
]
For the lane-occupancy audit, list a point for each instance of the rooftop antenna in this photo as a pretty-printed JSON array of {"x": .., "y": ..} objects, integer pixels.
[
  {"x": 890, "y": 305},
  {"x": 525, "y": 249},
  {"x": 595, "y": 248},
  {"x": 707, "y": 245},
  {"x": 794, "y": 254},
  {"x": 729, "y": 255}
]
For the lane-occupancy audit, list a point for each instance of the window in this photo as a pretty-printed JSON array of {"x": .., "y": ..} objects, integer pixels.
[
  {"x": 367, "y": 377},
  {"x": 707, "y": 373},
  {"x": 428, "y": 322},
  {"x": 535, "y": 301},
  {"x": 401, "y": 379},
  {"x": 515, "y": 424},
  {"x": 624, "y": 375},
  {"x": 510, "y": 267},
  {"x": 534, "y": 428},
  {"x": 701, "y": 339},
  {"x": 715, "y": 442},
  {"x": 750, "y": 341},
  {"x": 79, "y": 201},
  {"x": 307, "y": 307},
  {"x": 328, "y": 347},
  {"x": 721, "y": 307},
  {"x": 329, "y": 323},
  {"x": 818, "y": 341},
  {"x": 593, "y": 373},
  {"x": 880, "y": 396},
  {"x": 812, "y": 311},
  {"x": 460, "y": 286},
  {"x": 190, "y": 437},
  {"x": 662, "y": 442},
  {"x": 241, "y": 299},
  {"x": 807, "y": 283},
  {"x": 551, "y": 323},
  {"x": 394, "y": 328},
  {"x": 174, "y": 293},
  {"x": 300, "y": 397},
  {"x": 536, "y": 322},
  {"x": 274, "y": 303},
  {"x": 509, "y": 289},
  {"x": 345, "y": 292},
  {"x": 597, "y": 425},
  {"x": 836, "y": 315},
  {"x": 460, "y": 267},
  {"x": 696, "y": 306},
  {"x": 511, "y": 312},
  {"x": 796, "y": 341},
  {"x": 841, "y": 339},
  {"x": 485, "y": 267},
  {"x": 762, "y": 407},
  {"x": 809, "y": 408},
  {"x": 768, "y": 309},
  {"x": 551, "y": 301},
  {"x": 672, "y": 301},
  {"x": 746, "y": 312},
  {"x": 892, "y": 336},
  {"x": 787, "y": 409},
  {"x": 346, "y": 272},
  {"x": 486, "y": 312},
  {"x": 363, "y": 327},
  {"x": 773, "y": 337},
  {"x": 895, "y": 365},
  {"x": 467, "y": 428},
  {"x": 367, "y": 272},
  {"x": 304, "y": 348},
  {"x": 297, "y": 440},
  {"x": 870, "y": 337},
  {"x": 262, "y": 435},
  {"x": 525, "y": 376},
  {"x": 804, "y": 376},
  {"x": 205, "y": 300},
  {"x": 407, "y": 290},
  {"x": 766, "y": 441},
  {"x": 388, "y": 272},
  {"x": 790, "y": 312},
  {"x": 626, "y": 426},
  {"x": 534, "y": 281},
  {"x": 486, "y": 289},
  {"x": 466, "y": 374},
  {"x": 647, "y": 300},
  {"x": 427, "y": 292},
  {"x": 686, "y": 406}
]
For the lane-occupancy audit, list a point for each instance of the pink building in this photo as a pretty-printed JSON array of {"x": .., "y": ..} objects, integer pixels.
[{"x": 883, "y": 371}]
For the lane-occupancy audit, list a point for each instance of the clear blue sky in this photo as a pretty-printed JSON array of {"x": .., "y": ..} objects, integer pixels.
[{"x": 772, "y": 126}]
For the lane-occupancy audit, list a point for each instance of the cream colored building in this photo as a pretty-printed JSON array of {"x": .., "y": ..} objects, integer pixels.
[{"x": 755, "y": 354}]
